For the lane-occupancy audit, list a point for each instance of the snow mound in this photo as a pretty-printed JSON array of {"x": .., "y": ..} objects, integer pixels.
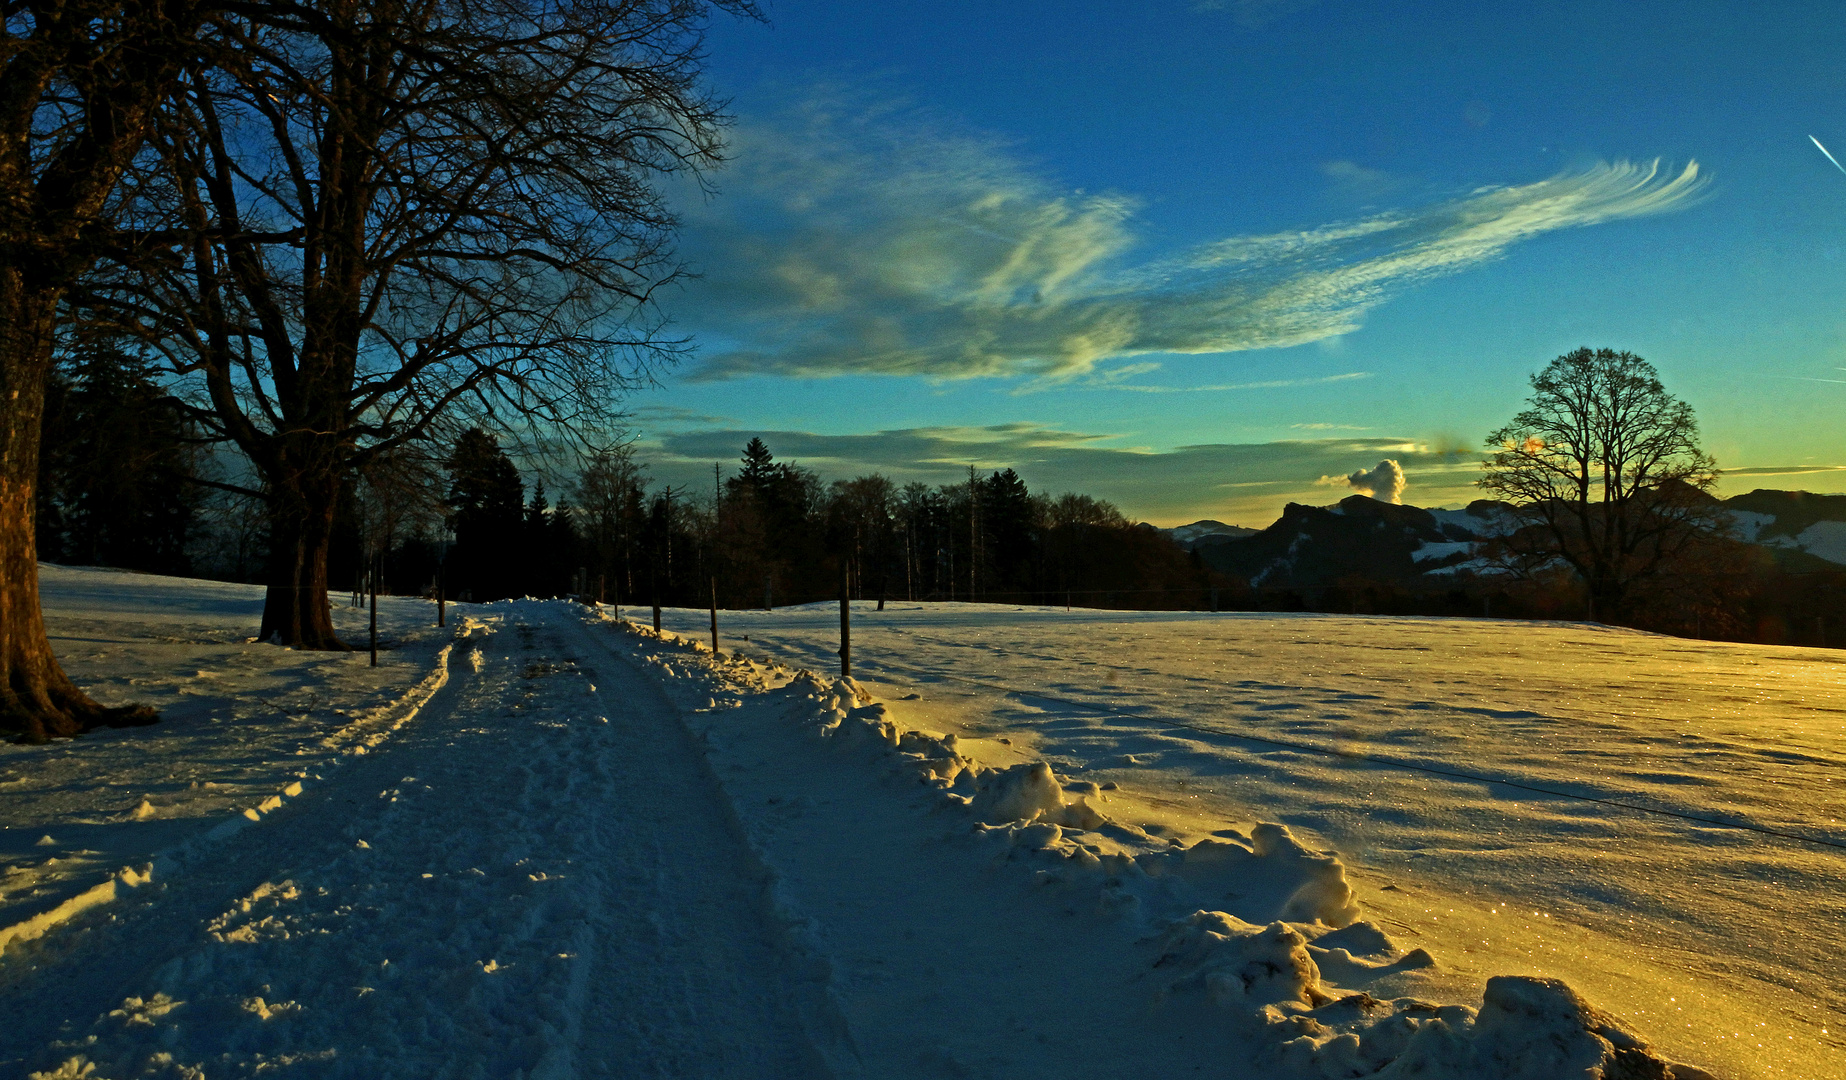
[
  {"x": 1272, "y": 876},
  {"x": 1237, "y": 963},
  {"x": 1269, "y": 980},
  {"x": 1030, "y": 793}
]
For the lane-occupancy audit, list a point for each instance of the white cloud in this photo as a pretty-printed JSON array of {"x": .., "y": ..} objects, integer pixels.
[
  {"x": 1384, "y": 482},
  {"x": 848, "y": 242}
]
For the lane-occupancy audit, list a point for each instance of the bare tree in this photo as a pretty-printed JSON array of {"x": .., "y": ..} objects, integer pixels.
[
  {"x": 80, "y": 82},
  {"x": 1605, "y": 470},
  {"x": 610, "y": 495},
  {"x": 859, "y": 513},
  {"x": 412, "y": 214},
  {"x": 397, "y": 497}
]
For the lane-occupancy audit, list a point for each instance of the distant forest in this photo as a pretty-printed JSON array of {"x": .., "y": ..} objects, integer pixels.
[{"x": 125, "y": 483}]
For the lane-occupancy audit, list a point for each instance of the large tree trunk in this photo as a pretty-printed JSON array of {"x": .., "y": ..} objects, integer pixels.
[
  {"x": 295, "y": 611},
  {"x": 1608, "y": 595},
  {"x": 37, "y": 700}
]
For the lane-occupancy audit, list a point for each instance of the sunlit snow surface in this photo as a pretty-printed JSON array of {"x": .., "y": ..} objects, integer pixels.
[
  {"x": 1721, "y": 943},
  {"x": 535, "y": 841}
]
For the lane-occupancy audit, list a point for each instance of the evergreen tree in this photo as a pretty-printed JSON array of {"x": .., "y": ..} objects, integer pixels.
[
  {"x": 548, "y": 560},
  {"x": 759, "y": 465},
  {"x": 1007, "y": 533},
  {"x": 487, "y": 514},
  {"x": 116, "y": 470},
  {"x": 770, "y": 513},
  {"x": 566, "y": 547},
  {"x": 536, "y": 572}
]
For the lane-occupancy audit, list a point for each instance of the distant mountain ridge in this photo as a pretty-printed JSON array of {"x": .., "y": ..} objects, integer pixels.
[
  {"x": 1313, "y": 546},
  {"x": 1793, "y": 521},
  {"x": 1206, "y": 531}
]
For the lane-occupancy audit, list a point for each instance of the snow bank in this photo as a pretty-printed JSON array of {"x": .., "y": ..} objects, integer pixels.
[
  {"x": 1026, "y": 812},
  {"x": 1527, "y": 1028},
  {"x": 1255, "y": 930}
]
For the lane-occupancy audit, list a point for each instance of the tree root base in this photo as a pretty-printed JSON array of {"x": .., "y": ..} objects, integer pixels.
[{"x": 34, "y": 729}]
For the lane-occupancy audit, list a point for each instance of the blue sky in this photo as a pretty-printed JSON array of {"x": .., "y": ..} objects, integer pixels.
[{"x": 1203, "y": 259}]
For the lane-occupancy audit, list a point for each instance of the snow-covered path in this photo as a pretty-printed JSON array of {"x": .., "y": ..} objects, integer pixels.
[{"x": 538, "y": 877}]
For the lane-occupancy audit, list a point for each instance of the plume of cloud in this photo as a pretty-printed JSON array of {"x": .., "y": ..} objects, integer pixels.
[
  {"x": 1384, "y": 483},
  {"x": 852, "y": 241}
]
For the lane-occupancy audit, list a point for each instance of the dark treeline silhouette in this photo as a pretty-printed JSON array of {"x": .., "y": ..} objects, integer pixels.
[
  {"x": 772, "y": 533},
  {"x": 769, "y": 534},
  {"x": 123, "y": 483},
  {"x": 116, "y": 482}
]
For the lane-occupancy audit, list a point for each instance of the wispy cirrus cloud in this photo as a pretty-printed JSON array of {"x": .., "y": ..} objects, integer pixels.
[
  {"x": 1784, "y": 470},
  {"x": 849, "y": 241},
  {"x": 1265, "y": 384}
]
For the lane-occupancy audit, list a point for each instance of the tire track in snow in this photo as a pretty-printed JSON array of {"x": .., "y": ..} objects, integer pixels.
[
  {"x": 532, "y": 878},
  {"x": 730, "y": 986}
]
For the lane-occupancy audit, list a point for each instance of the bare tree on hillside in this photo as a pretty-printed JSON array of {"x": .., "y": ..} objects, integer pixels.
[
  {"x": 413, "y": 214},
  {"x": 1605, "y": 469},
  {"x": 80, "y": 82}
]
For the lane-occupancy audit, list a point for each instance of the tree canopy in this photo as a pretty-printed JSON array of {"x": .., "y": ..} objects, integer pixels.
[
  {"x": 1605, "y": 470},
  {"x": 401, "y": 217}
]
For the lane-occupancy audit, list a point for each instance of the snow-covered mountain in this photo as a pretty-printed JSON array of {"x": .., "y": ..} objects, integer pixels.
[
  {"x": 1358, "y": 537},
  {"x": 1389, "y": 542},
  {"x": 1206, "y": 532},
  {"x": 1794, "y": 521}
]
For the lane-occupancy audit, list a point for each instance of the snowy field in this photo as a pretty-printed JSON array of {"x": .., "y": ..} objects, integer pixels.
[
  {"x": 541, "y": 843},
  {"x": 1488, "y": 784}
]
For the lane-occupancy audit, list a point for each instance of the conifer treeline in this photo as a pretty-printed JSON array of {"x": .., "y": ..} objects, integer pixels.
[
  {"x": 772, "y": 533},
  {"x": 125, "y": 482},
  {"x": 117, "y": 468}
]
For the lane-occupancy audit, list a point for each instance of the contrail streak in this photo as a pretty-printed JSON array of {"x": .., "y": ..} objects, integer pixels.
[{"x": 1830, "y": 157}]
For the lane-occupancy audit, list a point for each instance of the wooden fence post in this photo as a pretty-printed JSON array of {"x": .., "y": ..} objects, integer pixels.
[
  {"x": 845, "y": 625},
  {"x": 374, "y": 576}
]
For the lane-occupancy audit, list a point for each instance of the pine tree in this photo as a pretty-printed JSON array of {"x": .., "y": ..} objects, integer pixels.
[
  {"x": 487, "y": 513},
  {"x": 116, "y": 469},
  {"x": 1007, "y": 539},
  {"x": 759, "y": 465}
]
